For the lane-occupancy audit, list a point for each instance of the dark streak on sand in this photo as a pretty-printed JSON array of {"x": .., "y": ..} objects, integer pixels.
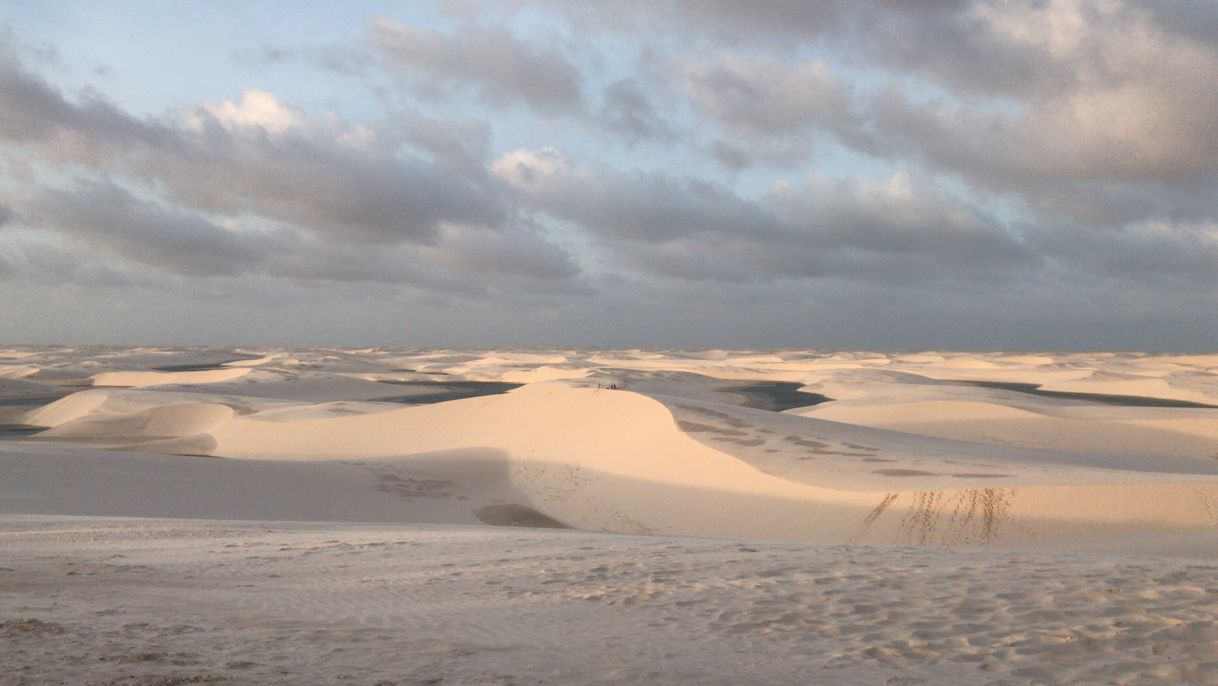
[{"x": 516, "y": 515}]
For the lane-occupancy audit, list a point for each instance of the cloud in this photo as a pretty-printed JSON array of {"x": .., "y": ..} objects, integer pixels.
[
  {"x": 520, "y": 252},
  {"x": 258, "y": 187},
  {"x": 101, "y": 218},
  {"x": 718, "y": 21},
  {"x": 629, "y": 112},
  {"x": 1096, "y": 111},
  {"x": 1169, "y": 257},
  {"x": 769, "y": 109},
  {"x": 108, "y": 218},
  {"x": 894, "y": 230},
  {"x": 646, "y": 207},
  {"x": 256, "y": 157},
  {"x": 257, "y": 110},
  {"x": 949, "y": 170},
  {"x": 1054, "y": 101},
  {"x": 501, "y": 68},
  {"x": 756, "y": 99},
  {"x": 58, "y": 266},
  {"x": 345, "y": 60}
]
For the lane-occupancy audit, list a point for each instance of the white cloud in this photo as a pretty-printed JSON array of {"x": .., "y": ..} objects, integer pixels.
[{"x": 257, "y": 109}]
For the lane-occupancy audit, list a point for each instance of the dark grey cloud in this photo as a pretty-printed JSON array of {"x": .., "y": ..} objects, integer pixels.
[
  {"x": 256, "y": 187},
  {"x": 1053, "y": 101},
  {"x": 759, "y": 99},
  {"x": 768, "y": 109},
  {"x": 646, "y": 207},
  {"x": 718, "y": 21},
  {"x": 461, "y": 144},
  {"x": 519, "y": 252},
  {"x": 628, "y": 111},
  {"x": 34, "y": 113},
  {"x": 101, "y": 218},
  {"x": 895, "y": 230},
  {"x": 347, "y": 181},
  {"x": 347, "y": 189},
  {"x": 1056, "y": 101},
  {"x": 108, "y": 218},
  {"x": 1173, "y": 258},
  {"x": 59, "y": 266},
  {"x": 501, "y": 68}
]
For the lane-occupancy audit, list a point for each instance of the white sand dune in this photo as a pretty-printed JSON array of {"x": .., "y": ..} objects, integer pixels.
[
  {"x": 543, "y": 373},
  {"x": 17, "y": 371},
  {"x": 67, "y": 409},
  {"x": 566, "y": 452},
  {"x": 921, "y": 527},
  {"x": 1145, "y": 431},
  {"x": 256, "y": 362}
]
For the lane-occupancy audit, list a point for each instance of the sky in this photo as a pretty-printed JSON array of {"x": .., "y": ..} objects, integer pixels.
[{"x": 870, "y": 174}]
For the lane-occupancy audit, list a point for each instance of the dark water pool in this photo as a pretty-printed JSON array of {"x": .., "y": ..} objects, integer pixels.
[
  {"x": 775, "y": 396},
  {"x": 29, "y": 400},
  {"x": 200, "y": 366},
  {"x": 443, "y": 391},
  {"x": 11, "y": 431},
  {"x": 1101, "y": 398}
]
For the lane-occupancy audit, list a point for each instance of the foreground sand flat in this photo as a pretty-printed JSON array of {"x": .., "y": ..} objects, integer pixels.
[
  {"x": 954, "y": 518},
  {"x": 89, "y": 600}
]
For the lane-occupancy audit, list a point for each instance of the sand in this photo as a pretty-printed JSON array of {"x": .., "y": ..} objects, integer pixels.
[{"x": 915, "y": 528}]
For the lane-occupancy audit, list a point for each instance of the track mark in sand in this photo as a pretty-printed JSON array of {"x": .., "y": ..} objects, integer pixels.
[
  {"x": 512, "y": 514},
  {"x": 552, "y": 483},
  {"x": 411, "y": 485},
  {"x": 974, "y": 516},
  {"x": 805, "y": 443},
  {"x": 875, "y": 514},
  {"x": 822, "y": 448},
  {"x": 982, "y": 476},
  {"x": 1208, "y": 504},
  {"x": 727, "y": 418},
  {"x": 904, "y": 472},
  {"x": 694, "y": 427},
  {"x": 721, "y": 434}
]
